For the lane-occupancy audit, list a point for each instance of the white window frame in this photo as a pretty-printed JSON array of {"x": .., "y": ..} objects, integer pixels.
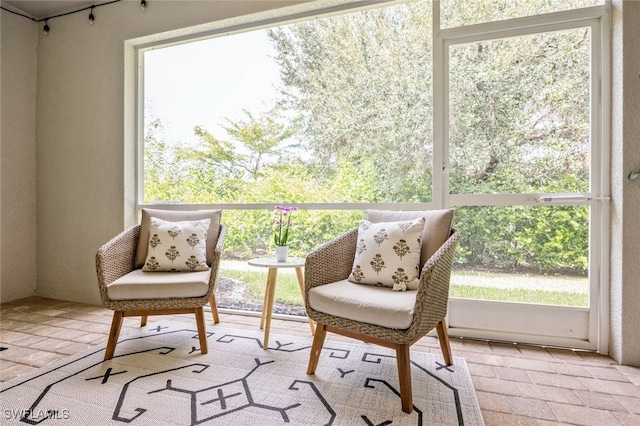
[{"x": 596, "y": 17}]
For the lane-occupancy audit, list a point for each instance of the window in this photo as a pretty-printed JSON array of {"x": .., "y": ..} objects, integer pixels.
[
  {"x": 330, "y": 110},
  {"x": 495, "y": 110}
]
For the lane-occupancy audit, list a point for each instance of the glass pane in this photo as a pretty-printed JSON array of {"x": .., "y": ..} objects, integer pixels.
[
  {"x": 335, "y": 109},
  {"x": 519, "y": 110},
  {"x": 250, "y": 235},
  {"x": 532, "y": 254},
  {"x": 456, "y": 13}
]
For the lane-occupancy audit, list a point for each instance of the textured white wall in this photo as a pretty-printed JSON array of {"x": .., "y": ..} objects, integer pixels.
[
  {"x": 625, "y": 223},
  {"x": 80, "y": 127},
  {"x": 17, "y": 157}
]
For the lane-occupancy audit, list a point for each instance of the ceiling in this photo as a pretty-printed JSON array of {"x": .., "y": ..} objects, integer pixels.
[{"x": 44, "y": 8}]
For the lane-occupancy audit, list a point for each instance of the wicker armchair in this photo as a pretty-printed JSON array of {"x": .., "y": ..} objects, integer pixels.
[
  {"x": 332, "y": 264},
  {"x": 119, "y": 258}
]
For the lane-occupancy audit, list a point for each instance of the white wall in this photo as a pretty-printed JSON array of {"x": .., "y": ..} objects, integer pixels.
[
  {"x": 17, "y": 157},
  {"x": 625, "y": 217},
  {"x": 80, "y": 127}
]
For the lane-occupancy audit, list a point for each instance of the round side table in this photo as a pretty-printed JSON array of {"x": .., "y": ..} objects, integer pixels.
[{"x": 267, "y": 306}]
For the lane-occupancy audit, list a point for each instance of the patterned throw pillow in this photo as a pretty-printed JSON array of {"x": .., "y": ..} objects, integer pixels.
[
  {"x": 388, "y": 254},
  {"x": 177, "y": 246}
]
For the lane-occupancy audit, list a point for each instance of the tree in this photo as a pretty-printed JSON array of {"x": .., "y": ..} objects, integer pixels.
[
  {"x": 359, "y": 87},
  {"x": 362, "y": 84},
  {"x": 254, "y": 142}
]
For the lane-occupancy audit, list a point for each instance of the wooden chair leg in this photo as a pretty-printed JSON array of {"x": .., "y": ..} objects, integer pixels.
[
  {"x": 214, "y": 309},
  {"x": 443, "y": 337},
  {"x": 404, "y": 377},
  {"x": 143, "y": 320},
  {"x": 316, "y": 347},
  {"x": 202, "y": 330},
  {"x": 116, "y": 325}
]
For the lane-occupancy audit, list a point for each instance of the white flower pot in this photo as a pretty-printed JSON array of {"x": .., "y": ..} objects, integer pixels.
[{"x": 282, "y": 253}]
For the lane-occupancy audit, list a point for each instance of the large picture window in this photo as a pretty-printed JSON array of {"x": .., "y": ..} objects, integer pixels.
[
  {"x": 488, "y": 108},
  {"x": 331, "y": 110}
]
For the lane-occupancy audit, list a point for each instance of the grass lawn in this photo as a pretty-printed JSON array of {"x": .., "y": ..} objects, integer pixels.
[
  {"x": 523, "y": 295},
  {"x": 288, "y": 291},
  {"x": 287, "y": 288}
]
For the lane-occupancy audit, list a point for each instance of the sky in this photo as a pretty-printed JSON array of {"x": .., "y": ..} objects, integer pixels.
[{"x": 200, "y": 83}]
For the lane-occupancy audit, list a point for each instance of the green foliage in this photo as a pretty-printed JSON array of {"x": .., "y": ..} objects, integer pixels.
[
  {"x": 520, "y": 295},
  {"x": 288, "y": 291},
  {"x": 544, "y": 239},
  {"x": 354, "y": 124}
]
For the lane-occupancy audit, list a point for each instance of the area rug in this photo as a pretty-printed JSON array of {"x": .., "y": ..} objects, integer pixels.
[{"x": 159, "y": 377}]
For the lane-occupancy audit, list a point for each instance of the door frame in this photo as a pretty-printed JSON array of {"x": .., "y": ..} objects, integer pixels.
[{"x": 582, "y": 328}]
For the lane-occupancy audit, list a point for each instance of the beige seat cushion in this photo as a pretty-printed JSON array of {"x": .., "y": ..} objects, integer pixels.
[
  {"x": 437, "y": 226},
  {"x": 364, "y": 303},
  {"x": 138, "y": 285},
  {"x": 177, "y": 216}
]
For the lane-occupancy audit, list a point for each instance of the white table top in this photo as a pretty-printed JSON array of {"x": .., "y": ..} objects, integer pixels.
[{"x": 271, "y": 262}]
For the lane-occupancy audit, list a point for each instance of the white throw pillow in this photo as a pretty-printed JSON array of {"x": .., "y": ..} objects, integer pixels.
[
  {"x": 388, "y": 254},
  {"x": 177, "y": 246}
]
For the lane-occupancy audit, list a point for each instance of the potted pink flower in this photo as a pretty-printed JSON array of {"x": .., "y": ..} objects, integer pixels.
[{"x": 281, "y": 235}]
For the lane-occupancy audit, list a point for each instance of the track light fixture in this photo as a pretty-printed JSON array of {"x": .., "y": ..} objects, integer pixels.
[
  {"x": 143, "y": 5},
  {"x": 91, "y": 16},
  {"x": 45, "y": 29}
]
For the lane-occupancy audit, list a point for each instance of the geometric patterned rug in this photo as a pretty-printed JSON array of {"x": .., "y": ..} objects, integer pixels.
[{"x": 159, "y": 377}]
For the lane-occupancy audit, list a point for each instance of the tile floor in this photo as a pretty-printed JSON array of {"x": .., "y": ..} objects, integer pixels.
[{"x": 515, "y": 384}]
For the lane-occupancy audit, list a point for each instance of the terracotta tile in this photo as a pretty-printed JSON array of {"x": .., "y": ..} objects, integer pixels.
[
  {"x": 529, "y": 364},
  {"x": 628, "y": 419},
  {"x": 631, "y": 404},
  {"x": 10, "y": 336},
  {"x": 493, "y": 402},
  {"x": 549, "y": 393},
  {"x": 49, "y": 312},
  {"x": 493, "y": 418},
  {"x": 564, "y": 354},
  {"x": 601, "y": 401},
  {"x": 482, "y": 358},
  {"x": 557, "y": 380},
  {"x": 66, "y": 323},
  {"x": 511, "y": 374},
  {"x": 15, "y": 325},
  {"x": 578, "y": 415},
  {"x": 570, "y": 369},
  {"x": 531, "y": 408},
  {"x": 15, "y": 370},
  {"x": 595, "y": 358},
  {"x": 476, "y": 346},
  {"x": 89, "y": 337},
  {"x": 28, "y": 340},
  {"x": 611, "y": 387},
  {"x": 39, "y": 358},
  {"x": 29, "y": 317},
  {"x": 481, "y": 370},
  {"x": 503, "y": 387},
  {"x": 535, "y": 352},
  {"x": 631, "y": 373},
  {"x": 606, "y": 373},
  {"x": 504, "y": 349},
  {"x": 14, "y": 353},
  {"x": 96, "y": 328}
]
